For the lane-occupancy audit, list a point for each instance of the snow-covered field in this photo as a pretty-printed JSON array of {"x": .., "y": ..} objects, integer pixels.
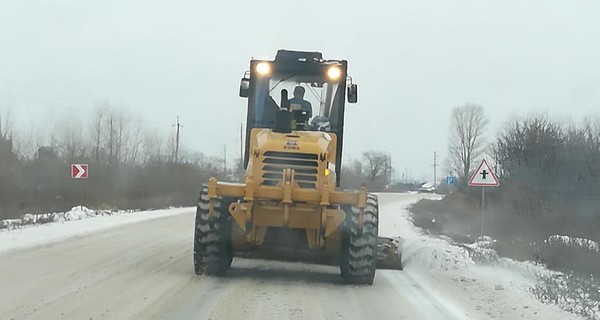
[{"x": 76, "y": 222}]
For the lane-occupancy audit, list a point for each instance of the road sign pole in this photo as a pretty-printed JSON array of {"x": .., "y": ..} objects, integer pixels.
[
  {"x": 81, "y": 194},
  {"x": 483, "y": 177},
  {"x": 482, "y": 208},
  {"x": 79, "y": 171}
]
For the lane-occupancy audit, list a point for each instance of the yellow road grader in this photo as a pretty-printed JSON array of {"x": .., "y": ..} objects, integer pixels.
[{"x": 290, "y": 205}]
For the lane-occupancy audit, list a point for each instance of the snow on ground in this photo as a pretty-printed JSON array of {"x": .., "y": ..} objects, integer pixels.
[
  {"x": 481, "y": 292},
  {"x": 76, "y": 222},
  {"x": 446, "y": 272},
  {"x": 76, "y": 213},
  {"x": 579, "y": 242}
]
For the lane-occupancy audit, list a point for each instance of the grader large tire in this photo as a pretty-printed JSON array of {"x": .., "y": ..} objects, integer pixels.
[
  {"x": 212, "y": 242},
  {"x": 359, "y": 249}
]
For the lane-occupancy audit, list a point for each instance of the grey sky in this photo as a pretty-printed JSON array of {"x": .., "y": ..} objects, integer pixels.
[{"x": 413, "y": 62}]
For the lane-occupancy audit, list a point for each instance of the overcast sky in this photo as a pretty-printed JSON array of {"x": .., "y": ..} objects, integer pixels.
[{"x": 413, "y": 62}]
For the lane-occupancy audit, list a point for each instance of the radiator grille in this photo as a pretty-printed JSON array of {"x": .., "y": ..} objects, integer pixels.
[{"x": 305, "y": 166}]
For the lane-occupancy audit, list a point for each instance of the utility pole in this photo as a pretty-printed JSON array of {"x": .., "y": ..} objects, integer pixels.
[
  {"x": 435, "y": 169},
  {"x": 178, "y": 126},
  {"x": 177, "y": 141}
]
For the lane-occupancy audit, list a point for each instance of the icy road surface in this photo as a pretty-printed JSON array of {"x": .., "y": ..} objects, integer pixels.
[{"x": 143, "y": 270}]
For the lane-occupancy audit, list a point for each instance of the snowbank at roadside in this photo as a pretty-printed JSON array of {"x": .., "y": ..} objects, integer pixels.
[
  {"x": 76, "y": 213},
  {"x": 75, "y": 222},
  {"x": 496, "y": 291}
]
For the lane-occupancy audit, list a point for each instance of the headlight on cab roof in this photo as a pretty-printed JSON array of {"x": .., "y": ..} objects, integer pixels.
[
  {"x": 263, "y": 68},
  {"x": 334, "y": 73}
]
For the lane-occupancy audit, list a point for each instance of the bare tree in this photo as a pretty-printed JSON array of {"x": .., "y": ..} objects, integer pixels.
[
  {"x": 377, "y": 165},
  {"x": 129, "y": 137},
  {"x": 466, "y": 138},
  {"x": 154, "y": 148},
  {"x": 534, "y": 143},
  {"x": 25, "y": 144},
  {"x": 133, "y": 141},
  {"x": 6, "y": 125},
  {"x": 98, "y": 122},
  {"x": 71, "y": 141},
  {"x": 116, "y": 134}
]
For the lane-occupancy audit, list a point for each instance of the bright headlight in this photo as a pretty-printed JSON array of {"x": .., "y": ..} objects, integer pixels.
[
  {"x": 334, "y": 73},
  {"x": 263, "y": 68}
]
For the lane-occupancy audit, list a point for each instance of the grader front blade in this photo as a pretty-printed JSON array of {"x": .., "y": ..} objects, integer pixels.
[{"x": 389, "y": 253}]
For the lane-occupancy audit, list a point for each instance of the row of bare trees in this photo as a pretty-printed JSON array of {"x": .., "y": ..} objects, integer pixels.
[
  {"x": 549, "y": 170},
  {"x": 551, "y": 165},
  {"x": 130, "y": 166}
]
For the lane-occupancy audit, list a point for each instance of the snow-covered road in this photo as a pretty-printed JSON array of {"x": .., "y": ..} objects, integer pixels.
[{"x": 143, "y": 270}]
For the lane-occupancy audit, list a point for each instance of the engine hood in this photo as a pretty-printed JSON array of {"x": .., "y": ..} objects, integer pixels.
[{"x": 313, "y": 142}]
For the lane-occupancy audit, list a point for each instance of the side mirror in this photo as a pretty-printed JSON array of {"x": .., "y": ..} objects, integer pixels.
[
  {"x": 352, "y": 93},
  {"x": 245, "y": 88}
]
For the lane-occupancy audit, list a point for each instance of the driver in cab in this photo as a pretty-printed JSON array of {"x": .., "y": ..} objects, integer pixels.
[{"x": 298, "y": 99}]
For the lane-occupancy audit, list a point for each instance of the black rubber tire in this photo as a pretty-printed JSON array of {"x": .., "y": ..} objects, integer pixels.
[
  {"x": 359, "y": 250},
  {"x": 212, "y": 241}
]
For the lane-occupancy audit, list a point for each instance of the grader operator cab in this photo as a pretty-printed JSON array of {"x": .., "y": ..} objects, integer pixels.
[{"x": 290, "y": 206}]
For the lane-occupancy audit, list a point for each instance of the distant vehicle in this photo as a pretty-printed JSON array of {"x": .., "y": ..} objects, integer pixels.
[{"x": 428, "y": 187}]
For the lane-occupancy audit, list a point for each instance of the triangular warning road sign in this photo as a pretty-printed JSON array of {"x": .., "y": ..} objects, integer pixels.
[{"x": 484, "y": 176}]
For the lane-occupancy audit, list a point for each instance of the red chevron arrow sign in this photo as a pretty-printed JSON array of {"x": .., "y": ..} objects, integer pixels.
[{"x": 79, "y": 171}]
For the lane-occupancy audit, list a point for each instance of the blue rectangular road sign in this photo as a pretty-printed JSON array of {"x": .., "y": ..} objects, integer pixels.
[{"x": 450, "y": 180}]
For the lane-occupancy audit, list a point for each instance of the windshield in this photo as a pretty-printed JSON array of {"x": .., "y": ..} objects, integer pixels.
[{"x": 320, "y": 99}]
